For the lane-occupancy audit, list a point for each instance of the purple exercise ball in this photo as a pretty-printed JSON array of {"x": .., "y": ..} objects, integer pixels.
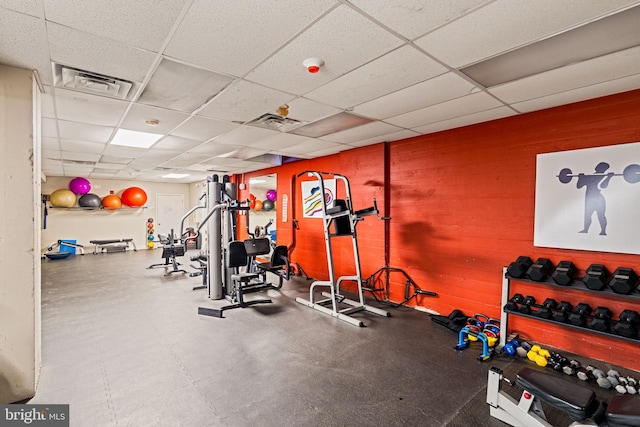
[
  {"x": 80, "y": 185},
  {"x": 272, "y": 195}
]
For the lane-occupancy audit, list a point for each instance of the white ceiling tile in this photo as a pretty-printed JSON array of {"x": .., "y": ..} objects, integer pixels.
[
  {"x": 158, "y": 155},
  {"x": 395, "y": 70},
  {"x": 280, "y": 141},
  {"x": 50, "y": 143},
  {"x": 243, "y": 153},
  {"x": 330, "y": 151},
  {"x": 20, "y": 51},
  {"x": 84, "y": 132},
  {"x": 244, "y": 135},
  {"x": 183, "y": 160},
  {"x": 244, "y": 101},
  {"x": 308, "y": 147},
  {"x": 433, "y": 91},
  {"x": 394, "y": 136},
  {"x": 481, "y": 34},
  {"x": 203, "y": 128},
  {"x": 47, "y": 107},
  {"x": 142, "y": 164},
  {"x": 307, "y": 110},
  {"x": 122, "y": 151},
  {"x": 83, "y": 107},
  {"x": 479, "y": 117},
  {"x": 358, "y": 133},
  {"x": 81, "y": 146},
  {"x": 138, "y": 113},
  {"x": 30, "y": 7},
  {"x": 580, "y": 94},
  {"x": 182, "y": 87},
  {"x": 585, "y": 73},
  {"x": 251, "y": 31},
  {"x": 343, "y": 39},
  {"x": 49, "y": 128},
  {"x": 108, "y": 167},
  {"x": 412, "y": 18},
  {"x": 122, "y": 23},
  {"x": 97, "y": 54},
  {"x": 455, "y": 108},
  {"x": 51, "y": 164},
  {"x": 51, "y": 155},
  {"x": 82, "y": 157},
  {"x": 72, "y": 170},
  {"x": 176, "y": 143},
  {"x": 213, "y": 148}
]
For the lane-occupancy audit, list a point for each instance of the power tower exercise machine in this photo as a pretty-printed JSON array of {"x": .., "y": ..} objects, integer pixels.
[{"x": 340, "y": 222}]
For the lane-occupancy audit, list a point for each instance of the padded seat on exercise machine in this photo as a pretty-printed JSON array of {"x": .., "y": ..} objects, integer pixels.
[
  {"x": 624, "y": 411},
  {"x": 278, "y": 265},
  {"x": 574, "y": 399}
]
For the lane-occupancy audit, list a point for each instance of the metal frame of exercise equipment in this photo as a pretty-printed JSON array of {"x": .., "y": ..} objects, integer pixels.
[
  {"x": 527, "y": 412},
  {"x": 330, "y": 304},
  {"x": 221, "y": 225}
]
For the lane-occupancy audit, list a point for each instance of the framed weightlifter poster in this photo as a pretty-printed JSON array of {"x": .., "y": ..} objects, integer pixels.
[{"x": 589, "y": 199}]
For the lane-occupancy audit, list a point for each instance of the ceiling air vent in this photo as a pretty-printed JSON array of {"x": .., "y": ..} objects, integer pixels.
[
  {"x": 276, "y": 122},
  {"x": 89, "y": 82}
]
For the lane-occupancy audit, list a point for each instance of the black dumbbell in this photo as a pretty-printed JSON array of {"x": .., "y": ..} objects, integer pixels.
[
  {"x": 525, "y": 307},
  {"x": 597, "y": 277},
  {"x": 557, "y": 362},
  {"x": 623, "y": 280},
  {"x": 514, "y": 301},
  {"x": 540, "y": 269},
  {"x": 627, "y": 325},
  {"x": 519, "y": 267},
  {"x": 564, "y": 273},
  {"x": 546, "y": 311},
  {"x": 601, "y": 319},
  {"x": 561, "y": 313},
  {"x": 579, "y": 315},
  {"x": 571, "y": 368}
]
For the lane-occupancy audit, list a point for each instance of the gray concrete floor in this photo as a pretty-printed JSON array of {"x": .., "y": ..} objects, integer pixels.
[{"x": 124, "y": 346}]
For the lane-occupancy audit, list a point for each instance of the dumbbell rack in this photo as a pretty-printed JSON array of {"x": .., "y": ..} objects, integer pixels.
[{"x": 576, "y": 284}]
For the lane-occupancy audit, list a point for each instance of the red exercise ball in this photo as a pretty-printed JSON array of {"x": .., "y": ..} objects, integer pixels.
[
  {"x": 134, "y": 197},
  {"x": 258, "y": 205},
  {"x": 111, "y": 201}
]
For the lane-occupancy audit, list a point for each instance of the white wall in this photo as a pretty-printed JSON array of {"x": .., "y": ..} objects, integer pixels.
[
  {"x": 19, "y": 235},
  {"x": 126, "y": 223}
]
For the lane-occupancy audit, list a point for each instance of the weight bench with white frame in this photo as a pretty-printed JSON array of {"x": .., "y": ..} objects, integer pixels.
[{"x": 577, "y": 401}]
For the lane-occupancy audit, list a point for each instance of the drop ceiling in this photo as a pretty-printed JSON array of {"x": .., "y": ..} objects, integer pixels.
[{"x": 201, "y": 71}]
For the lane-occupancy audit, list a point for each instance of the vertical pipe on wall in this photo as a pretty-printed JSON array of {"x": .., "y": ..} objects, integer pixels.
[{"x": 387, "y": 209}]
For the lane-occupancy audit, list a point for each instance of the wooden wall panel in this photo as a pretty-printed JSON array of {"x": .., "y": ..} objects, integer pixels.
[{"x": 462, "y": 207}]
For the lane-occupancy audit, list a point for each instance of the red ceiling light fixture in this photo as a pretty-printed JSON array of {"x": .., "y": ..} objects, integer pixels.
[{"x": 313, "y": 64}]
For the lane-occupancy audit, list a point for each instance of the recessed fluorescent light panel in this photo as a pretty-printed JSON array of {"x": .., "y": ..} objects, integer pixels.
[
  {"x": 175, "y": 175},
  {"x": 133, "y": 138},
  {"x": 598, "y": 38}
]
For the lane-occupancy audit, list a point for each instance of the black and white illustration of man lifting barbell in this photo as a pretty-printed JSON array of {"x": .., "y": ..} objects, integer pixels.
[{"x": 594, "y": 200}]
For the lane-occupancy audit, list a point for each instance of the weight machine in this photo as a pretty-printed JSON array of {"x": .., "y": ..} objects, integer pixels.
[
  {"x": 224, "y": 254},
  {"x": 340, "y": 221}
]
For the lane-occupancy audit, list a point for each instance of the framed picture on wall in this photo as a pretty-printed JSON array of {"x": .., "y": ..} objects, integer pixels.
[
  {"x": 589, "y": 199},
  {"x": 312, "y": 199}
]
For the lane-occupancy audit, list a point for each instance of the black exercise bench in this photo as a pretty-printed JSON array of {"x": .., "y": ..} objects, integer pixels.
[
  {"x": 112, "y": 245},
  {"x": 577, "y": 401}
]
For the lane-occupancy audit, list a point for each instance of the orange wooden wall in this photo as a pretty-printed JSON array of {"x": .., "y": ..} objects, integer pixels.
[{"x": 462, "y": 207}]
